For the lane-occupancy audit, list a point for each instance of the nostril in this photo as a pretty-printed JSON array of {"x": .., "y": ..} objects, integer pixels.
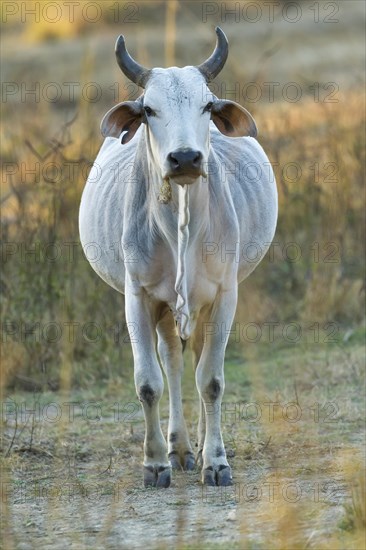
[
  {"x": 173, "y": 161},
  {"x": 197, "y": 159}
]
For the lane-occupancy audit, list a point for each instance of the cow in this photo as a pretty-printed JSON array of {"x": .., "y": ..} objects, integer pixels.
[{"x": 179, "y": 188}]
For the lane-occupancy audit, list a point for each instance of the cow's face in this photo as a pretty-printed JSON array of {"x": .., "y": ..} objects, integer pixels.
[{"x": 176, "y": 109}]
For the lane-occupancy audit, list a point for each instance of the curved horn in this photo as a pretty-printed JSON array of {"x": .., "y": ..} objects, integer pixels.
[
  {"x": 213, "y": 65},
  {"x": 135, "y": 72}
]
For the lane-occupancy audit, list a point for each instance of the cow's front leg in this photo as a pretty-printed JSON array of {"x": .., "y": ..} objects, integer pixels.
[
  {"x": 141, "y": 319},
  {"x": 211, "y": 385}
]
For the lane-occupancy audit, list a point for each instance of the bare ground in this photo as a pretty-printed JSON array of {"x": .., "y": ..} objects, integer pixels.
[{"x": 72, "y": 478}]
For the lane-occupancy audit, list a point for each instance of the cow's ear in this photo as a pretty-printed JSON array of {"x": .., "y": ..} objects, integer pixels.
[
  {"x": 124, "y": 117},
  {"x": 232, "y": 119}
]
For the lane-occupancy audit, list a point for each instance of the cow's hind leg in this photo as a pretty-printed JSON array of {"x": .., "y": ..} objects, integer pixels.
[
  {"x": 170, "y": 351},
  {"x": 197, "y": 345}
]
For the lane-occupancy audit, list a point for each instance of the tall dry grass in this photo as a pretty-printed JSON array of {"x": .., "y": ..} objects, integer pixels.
[{"x": 322, "y": 214}]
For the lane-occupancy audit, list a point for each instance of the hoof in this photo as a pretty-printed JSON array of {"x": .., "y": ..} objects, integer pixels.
[
  {"x": 219, "y": 476},
  {"x": 224, "y": 476},
  {"x": 157, "y": 476},
  {"x": 175, "y": 461},
  {"x": 208, "y": 477},
  {"x": 187, "y": 462}
]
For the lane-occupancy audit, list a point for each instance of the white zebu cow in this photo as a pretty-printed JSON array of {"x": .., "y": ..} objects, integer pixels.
[{"x": 181, "y": 185}]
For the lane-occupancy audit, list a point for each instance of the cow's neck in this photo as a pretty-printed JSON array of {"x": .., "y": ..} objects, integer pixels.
[
  {"x": 169, "y": 217},
  {"x": 164, "y": 218},
  {"x": 183, "y": 223}
]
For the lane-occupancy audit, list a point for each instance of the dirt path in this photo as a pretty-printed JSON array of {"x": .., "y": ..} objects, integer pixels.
[{"x": 76, "y": 482}]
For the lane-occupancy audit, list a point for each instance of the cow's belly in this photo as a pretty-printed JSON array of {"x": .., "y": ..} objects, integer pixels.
[
  {"x": 101, "y": 227},
  {"x": 104, "y": 254},
  {"x": 252, "y": 249},
  {"x": 259, "y": 212},
  {"x": 200, "y": 291},
  {"x": 254, "y": 197}
]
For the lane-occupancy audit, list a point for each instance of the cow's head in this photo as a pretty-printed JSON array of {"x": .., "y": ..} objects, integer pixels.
[{"x": 176, "y": 108}]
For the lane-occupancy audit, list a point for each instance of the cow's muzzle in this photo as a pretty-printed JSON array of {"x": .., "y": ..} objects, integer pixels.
[{"x": 185, "y": 162}]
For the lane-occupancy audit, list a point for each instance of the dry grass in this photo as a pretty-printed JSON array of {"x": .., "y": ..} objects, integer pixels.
[{"x": 323, "y": 218}]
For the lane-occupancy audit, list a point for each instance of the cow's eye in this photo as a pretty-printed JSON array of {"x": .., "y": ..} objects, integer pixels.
[
  {"x": 148, "y": 110},
  {"x": 208, "y": 107}
]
